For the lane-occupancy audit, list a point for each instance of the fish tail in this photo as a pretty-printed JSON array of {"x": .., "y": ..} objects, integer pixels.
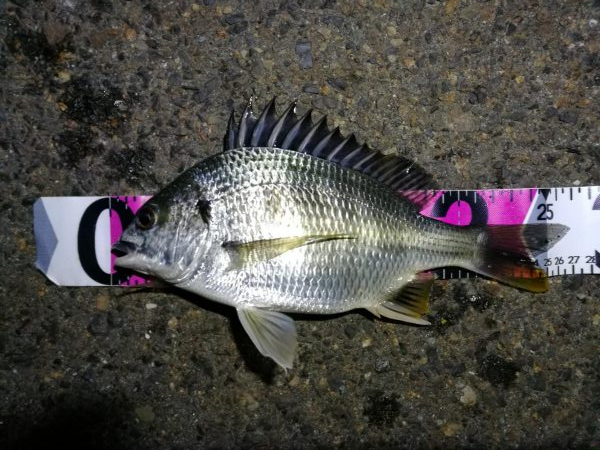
[{"x": 506, "y": 253}]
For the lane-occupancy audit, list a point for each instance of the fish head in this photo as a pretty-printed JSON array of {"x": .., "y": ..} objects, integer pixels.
[{"x": 168, "y": 235}]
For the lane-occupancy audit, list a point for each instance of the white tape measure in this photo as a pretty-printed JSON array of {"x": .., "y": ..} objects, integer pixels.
[{"x": 578, "y": 208}]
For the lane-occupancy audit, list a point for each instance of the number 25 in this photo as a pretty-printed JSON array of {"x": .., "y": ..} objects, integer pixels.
[{"x": 546, "y": 211}]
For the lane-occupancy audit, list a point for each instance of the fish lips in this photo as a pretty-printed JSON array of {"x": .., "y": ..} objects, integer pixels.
[{"x": 126, "y": 254}]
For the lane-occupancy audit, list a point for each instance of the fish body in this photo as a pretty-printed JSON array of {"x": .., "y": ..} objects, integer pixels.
[
  {"x": 373, "y": 241},
  {"x": 282, "y": 222}
]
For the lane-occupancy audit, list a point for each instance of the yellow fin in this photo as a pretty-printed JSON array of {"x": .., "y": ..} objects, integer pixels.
[
  {"x": 246, "y": 253},
  {"x": 410, "y": 303},
  {"x": 506, "y": 253}
]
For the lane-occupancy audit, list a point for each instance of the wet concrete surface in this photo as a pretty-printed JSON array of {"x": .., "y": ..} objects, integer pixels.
[{"x": 106, "y": 97}]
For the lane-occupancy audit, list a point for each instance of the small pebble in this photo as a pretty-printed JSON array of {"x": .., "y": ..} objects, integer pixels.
[
  {"x": 568, "y": 116},
  {"x": 145, "y": 413},
  {"x": 451, "y": 429},
  {"x": 249, "y": 402},
  {"x": 232, "y": 19},
  {"x": 303, "y": 51},
  {"x": 337, "y": 83},
  {"x": 469, "y": 396},
  {"x": 102, "y": 302},
  {"x": 63, "y": 76},
  {"x": 98, "y": 326},
  {"x": 311, "y": 89},
  {"x": 351, "y": 330},
  {"x": 172, "y": 323},
  {"x": 382, "y": 365},
  {"x": 409, "y": 63}
]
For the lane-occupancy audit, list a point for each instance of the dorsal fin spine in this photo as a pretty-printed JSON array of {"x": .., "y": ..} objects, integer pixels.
[
  {"x": 325, "y": 142},
  {"x": 301, "y": 135},
  {"x": 363, "y": 161},
  {"x": 230, "y": 135},
  {"x": 247, "y": 119},
  {"x": 340, "y": 146},
  {"x": 287, "y": 116},
  {"x": 302, "y": 148},
  {"x": 293, "y": 133},
  {"x": 351, "y": 155},
  {"x": 263, "y": 123}
]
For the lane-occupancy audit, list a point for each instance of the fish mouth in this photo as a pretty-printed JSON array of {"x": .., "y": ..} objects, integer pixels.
[
  {"x": 123, "y": 248},
  {"x": 125, "y": 252}
]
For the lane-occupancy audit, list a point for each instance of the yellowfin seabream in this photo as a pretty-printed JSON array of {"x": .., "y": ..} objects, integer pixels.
[{"x": 295, "y": 218}]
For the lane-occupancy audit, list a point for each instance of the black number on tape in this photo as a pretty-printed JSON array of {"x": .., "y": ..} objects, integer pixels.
[
  {"x": 546, "y": 211},
  {"x": 86, "y": 240}
]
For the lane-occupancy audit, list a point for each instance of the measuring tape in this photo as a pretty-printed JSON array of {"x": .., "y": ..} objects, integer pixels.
[
  {"x": 74, "y": 235},
  {"x": 576, "y": 207}
]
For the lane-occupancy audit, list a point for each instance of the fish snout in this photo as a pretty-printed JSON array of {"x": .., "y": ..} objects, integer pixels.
[{"x": 123, "y": 248}]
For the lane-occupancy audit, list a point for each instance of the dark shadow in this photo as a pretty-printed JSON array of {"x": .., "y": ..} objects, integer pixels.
[
  {"x": 264, "y": 367},
  {"x": 82, "y": 419}
]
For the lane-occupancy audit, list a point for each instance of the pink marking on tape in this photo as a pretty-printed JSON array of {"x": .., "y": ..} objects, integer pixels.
[
  {"x": 116, "y": 229},
  {"x": 510, "y": 206},
  {"x": 504, "y": 206}
]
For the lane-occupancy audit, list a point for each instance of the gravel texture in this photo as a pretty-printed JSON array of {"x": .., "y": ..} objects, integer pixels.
[{"x": 102, "y": 97}]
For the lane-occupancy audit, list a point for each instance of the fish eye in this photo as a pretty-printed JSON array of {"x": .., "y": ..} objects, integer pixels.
[{"x": 146, "y": 217}]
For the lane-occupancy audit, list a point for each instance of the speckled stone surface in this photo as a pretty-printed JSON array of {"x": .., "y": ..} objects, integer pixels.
[{"x": 103, "y": 97}]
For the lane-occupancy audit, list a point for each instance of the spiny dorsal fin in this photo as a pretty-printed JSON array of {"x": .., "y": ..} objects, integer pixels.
[{"x": 300, "y": 134}]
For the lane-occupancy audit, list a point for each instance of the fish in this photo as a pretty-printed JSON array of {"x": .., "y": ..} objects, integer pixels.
[{"x": 295, "y": 217}]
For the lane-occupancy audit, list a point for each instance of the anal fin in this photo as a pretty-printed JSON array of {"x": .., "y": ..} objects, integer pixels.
[
  {"x": 410, "y": 303},
  {"x": 273, "y": 334}
]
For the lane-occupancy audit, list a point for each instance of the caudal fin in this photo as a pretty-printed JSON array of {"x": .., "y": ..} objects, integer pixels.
[{"x": 507, "y": 252}]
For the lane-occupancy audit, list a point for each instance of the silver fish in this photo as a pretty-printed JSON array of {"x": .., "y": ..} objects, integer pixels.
[{"x": 294, "y": 217}]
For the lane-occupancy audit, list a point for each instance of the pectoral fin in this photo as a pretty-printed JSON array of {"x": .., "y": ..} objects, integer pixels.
[
  {"x": 273, "y": 333},
  {"x": 246, "y": 253}
]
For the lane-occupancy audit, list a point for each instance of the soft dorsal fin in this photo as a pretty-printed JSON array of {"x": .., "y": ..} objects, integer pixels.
[{"x": 300, "y": 134}]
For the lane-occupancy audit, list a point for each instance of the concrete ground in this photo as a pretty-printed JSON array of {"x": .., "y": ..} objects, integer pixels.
[{"x": 104, "y": 97}]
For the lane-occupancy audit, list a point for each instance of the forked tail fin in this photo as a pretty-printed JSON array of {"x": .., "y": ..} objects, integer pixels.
[{"x": 506, "y": 253}]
